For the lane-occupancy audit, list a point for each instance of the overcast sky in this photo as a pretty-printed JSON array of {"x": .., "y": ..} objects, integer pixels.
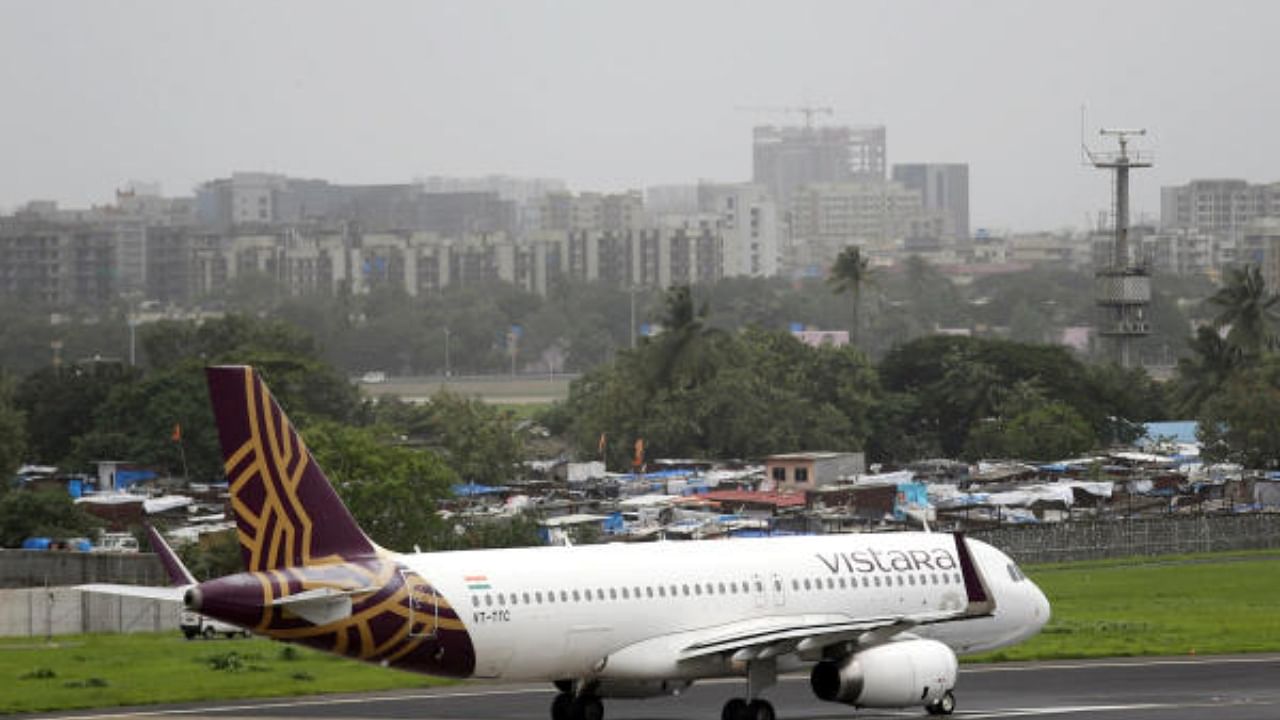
[{"x": 615, "y": 95}]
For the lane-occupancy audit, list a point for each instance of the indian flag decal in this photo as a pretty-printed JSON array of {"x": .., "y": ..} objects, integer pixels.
[{"x": 477, "y": 582}]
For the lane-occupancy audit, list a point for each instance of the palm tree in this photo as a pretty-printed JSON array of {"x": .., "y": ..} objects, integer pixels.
[
  {"x": 683, "y": 343},
  {"x": 849, "y": 274},
  {"x": 1248, "y": 310},
  {"x": 1203, "y": 374}
]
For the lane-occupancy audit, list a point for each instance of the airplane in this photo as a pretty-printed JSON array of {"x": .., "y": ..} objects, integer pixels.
[{"x": 878, "y": 619}]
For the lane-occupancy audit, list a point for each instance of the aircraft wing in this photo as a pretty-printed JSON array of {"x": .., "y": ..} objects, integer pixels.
[
  {"x": 173, "y": 593},
  {"x": 779, "y": 635}
]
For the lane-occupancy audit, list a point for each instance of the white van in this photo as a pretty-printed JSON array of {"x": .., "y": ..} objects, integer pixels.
[{"x": 194, "y": 625}]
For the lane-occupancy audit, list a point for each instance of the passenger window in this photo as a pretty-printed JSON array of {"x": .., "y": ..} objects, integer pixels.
[
  {"x": 502, "y": 599},
  {"x": 625, "y": 595},
  {"x": 488, "y": 600},
  {"x": 648, "y": 591},
  {"x": 877, "y": 581},
  {"x": 900, "y": 583},
  {"x": 806, "y": 583},
  {"x": 911, "y": 579},
  {"x": 662, "y": 591},
  {"x": 613, "y": 594},
  {"x": 697, "y": 589},
  {"x": 686, "y": 589},
  {"x": 831, "y": 584},
  {"x": 959, "y": 580},
  {"x": 538, "y": 596},
  {"x": 576, "y": 596},
  {"x": 841, "y": 583},
  {"x": 564, "y": 596},
  {"x": 475, "y": 600}
]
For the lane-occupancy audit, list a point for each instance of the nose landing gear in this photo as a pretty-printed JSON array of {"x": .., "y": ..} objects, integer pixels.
[{"x": 944, "y": 705}]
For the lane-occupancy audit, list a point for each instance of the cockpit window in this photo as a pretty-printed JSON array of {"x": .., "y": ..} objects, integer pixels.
[{"x": 1015, "y": 573}]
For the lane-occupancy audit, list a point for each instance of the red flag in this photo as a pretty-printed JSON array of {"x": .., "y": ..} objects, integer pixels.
[
  {"x": 600, "y": 445},
  {"x": 639, "y": 452},
  {"x": 177, "y": 433}
]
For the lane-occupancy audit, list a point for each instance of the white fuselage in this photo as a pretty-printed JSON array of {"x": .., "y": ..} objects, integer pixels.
[{"x": 551, "y": 613}]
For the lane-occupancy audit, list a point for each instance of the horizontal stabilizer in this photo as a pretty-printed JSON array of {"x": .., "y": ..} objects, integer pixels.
[
  {"x": 173, "y": 593},
  {"x": 321, "y": 606}
]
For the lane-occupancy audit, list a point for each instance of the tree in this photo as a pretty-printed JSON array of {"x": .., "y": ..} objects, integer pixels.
[
  {"x": 391, "y": 490},
  {"x": 1238, "y": 424},
  {"x": 42, "y": 514},
  {"x": 1248, "y": 310},
  {"x": 477, "y": 440},
  {"x": 681, "y": 354},
  {"x": 60, "y": 404},
  {"x": 13, "y": 434},
  {"x": 850, "y": 272},
  {"x": 1213, "y": 361}
]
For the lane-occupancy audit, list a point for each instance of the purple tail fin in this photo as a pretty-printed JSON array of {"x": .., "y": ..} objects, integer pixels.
[
  {"x": 287, "y": 513},
  {"x": 178, "y": 573}
]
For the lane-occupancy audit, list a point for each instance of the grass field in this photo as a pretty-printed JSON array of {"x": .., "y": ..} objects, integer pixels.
[
  {"x": 103, "y": 670},
  {"x": 1199, "y": 604},
  {"x": 1165, "y": 606}
]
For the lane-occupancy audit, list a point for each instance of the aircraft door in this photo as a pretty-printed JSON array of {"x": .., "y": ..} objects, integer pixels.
[
  {"x": 757, "y": 585},
  {"x": 779, "y": 590},
  {"x": 424, "y": 607}
]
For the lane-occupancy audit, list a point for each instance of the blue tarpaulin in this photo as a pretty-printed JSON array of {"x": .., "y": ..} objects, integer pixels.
[
  {"x": 125, "y": 478},
  {"x": 472, "y": 489}
]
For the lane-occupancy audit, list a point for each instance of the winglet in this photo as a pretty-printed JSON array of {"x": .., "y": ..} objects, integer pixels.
[
  {"x": 178, "y": 573},
  {"x": 981, "y": 602}
]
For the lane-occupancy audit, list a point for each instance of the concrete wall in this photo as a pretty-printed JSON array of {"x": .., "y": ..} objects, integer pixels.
[
  {"x": 40, "y": 568},
  {"x": 40, "y": 612},
  {"x": 1126, "y": 538}
]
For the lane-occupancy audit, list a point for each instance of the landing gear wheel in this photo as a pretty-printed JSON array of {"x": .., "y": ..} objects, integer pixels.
[
  {"x": 564, "y": 686},
  {"x": 586, "y": 707},
  {"x": 945, "y": 705},
  {"x": 735, "y": 709},
  {"x": 560, "y": 706},
  {"x": 759, "y": 710}
]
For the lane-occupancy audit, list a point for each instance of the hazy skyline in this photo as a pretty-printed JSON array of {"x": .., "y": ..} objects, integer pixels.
[{"x": 617, "y": 95}]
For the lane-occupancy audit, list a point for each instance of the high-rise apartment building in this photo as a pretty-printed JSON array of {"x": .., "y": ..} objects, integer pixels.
[
  {"x": 1223, "y": 206},
  {"x": 748, "y": 222},
  {"x": 944, "y": 192}
]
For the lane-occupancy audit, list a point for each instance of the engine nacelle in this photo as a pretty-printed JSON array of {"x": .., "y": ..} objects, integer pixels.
[
  {"x": 905, "y": 673},
  {"x": 611, "y": 688}
]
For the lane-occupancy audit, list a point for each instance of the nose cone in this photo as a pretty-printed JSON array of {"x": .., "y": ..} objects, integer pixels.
[{"x": 1041, "y": 611}]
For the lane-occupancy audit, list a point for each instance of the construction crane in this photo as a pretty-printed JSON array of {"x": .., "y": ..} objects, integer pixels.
[{"x": 807, "y": 110}]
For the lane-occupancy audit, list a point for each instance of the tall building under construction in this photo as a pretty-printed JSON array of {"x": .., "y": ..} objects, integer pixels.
[{"x": 788, "y": 157}]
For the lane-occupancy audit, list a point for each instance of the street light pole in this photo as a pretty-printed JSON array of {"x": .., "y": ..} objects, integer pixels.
[
  {"x": 632, "y": 292},
  {"x": 447, "y": 372}
]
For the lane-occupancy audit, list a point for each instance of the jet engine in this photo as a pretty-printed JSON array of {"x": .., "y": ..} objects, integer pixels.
[{"x": 897, "y": 674}]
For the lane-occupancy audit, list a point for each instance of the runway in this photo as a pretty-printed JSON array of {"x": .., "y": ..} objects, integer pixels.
[{"x": 1224, "y": 688}]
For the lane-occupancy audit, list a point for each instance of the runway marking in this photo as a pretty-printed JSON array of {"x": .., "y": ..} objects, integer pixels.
[
  {"x": 1136, "y": 662},
  {"x": 307, "y": 703},
  {"x": 1064, "y": 710}
]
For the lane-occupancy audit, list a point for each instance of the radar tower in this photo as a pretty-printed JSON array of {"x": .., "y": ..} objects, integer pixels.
[{"x": 1122, "y": 282}]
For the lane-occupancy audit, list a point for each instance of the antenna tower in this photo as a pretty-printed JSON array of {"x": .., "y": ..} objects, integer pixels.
[{"x": 1122, "y": 284}]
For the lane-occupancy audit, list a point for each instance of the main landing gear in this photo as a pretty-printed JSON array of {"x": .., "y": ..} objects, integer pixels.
[
  {"x": 569, "y": 705},
  {"x": 761, "y": 673},
  {"x": 944, "y": 705},
  {"x": 739, "y": 709}
]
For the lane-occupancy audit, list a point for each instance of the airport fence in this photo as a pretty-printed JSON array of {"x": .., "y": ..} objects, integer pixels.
[{"x": 1170, "y": 535}]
